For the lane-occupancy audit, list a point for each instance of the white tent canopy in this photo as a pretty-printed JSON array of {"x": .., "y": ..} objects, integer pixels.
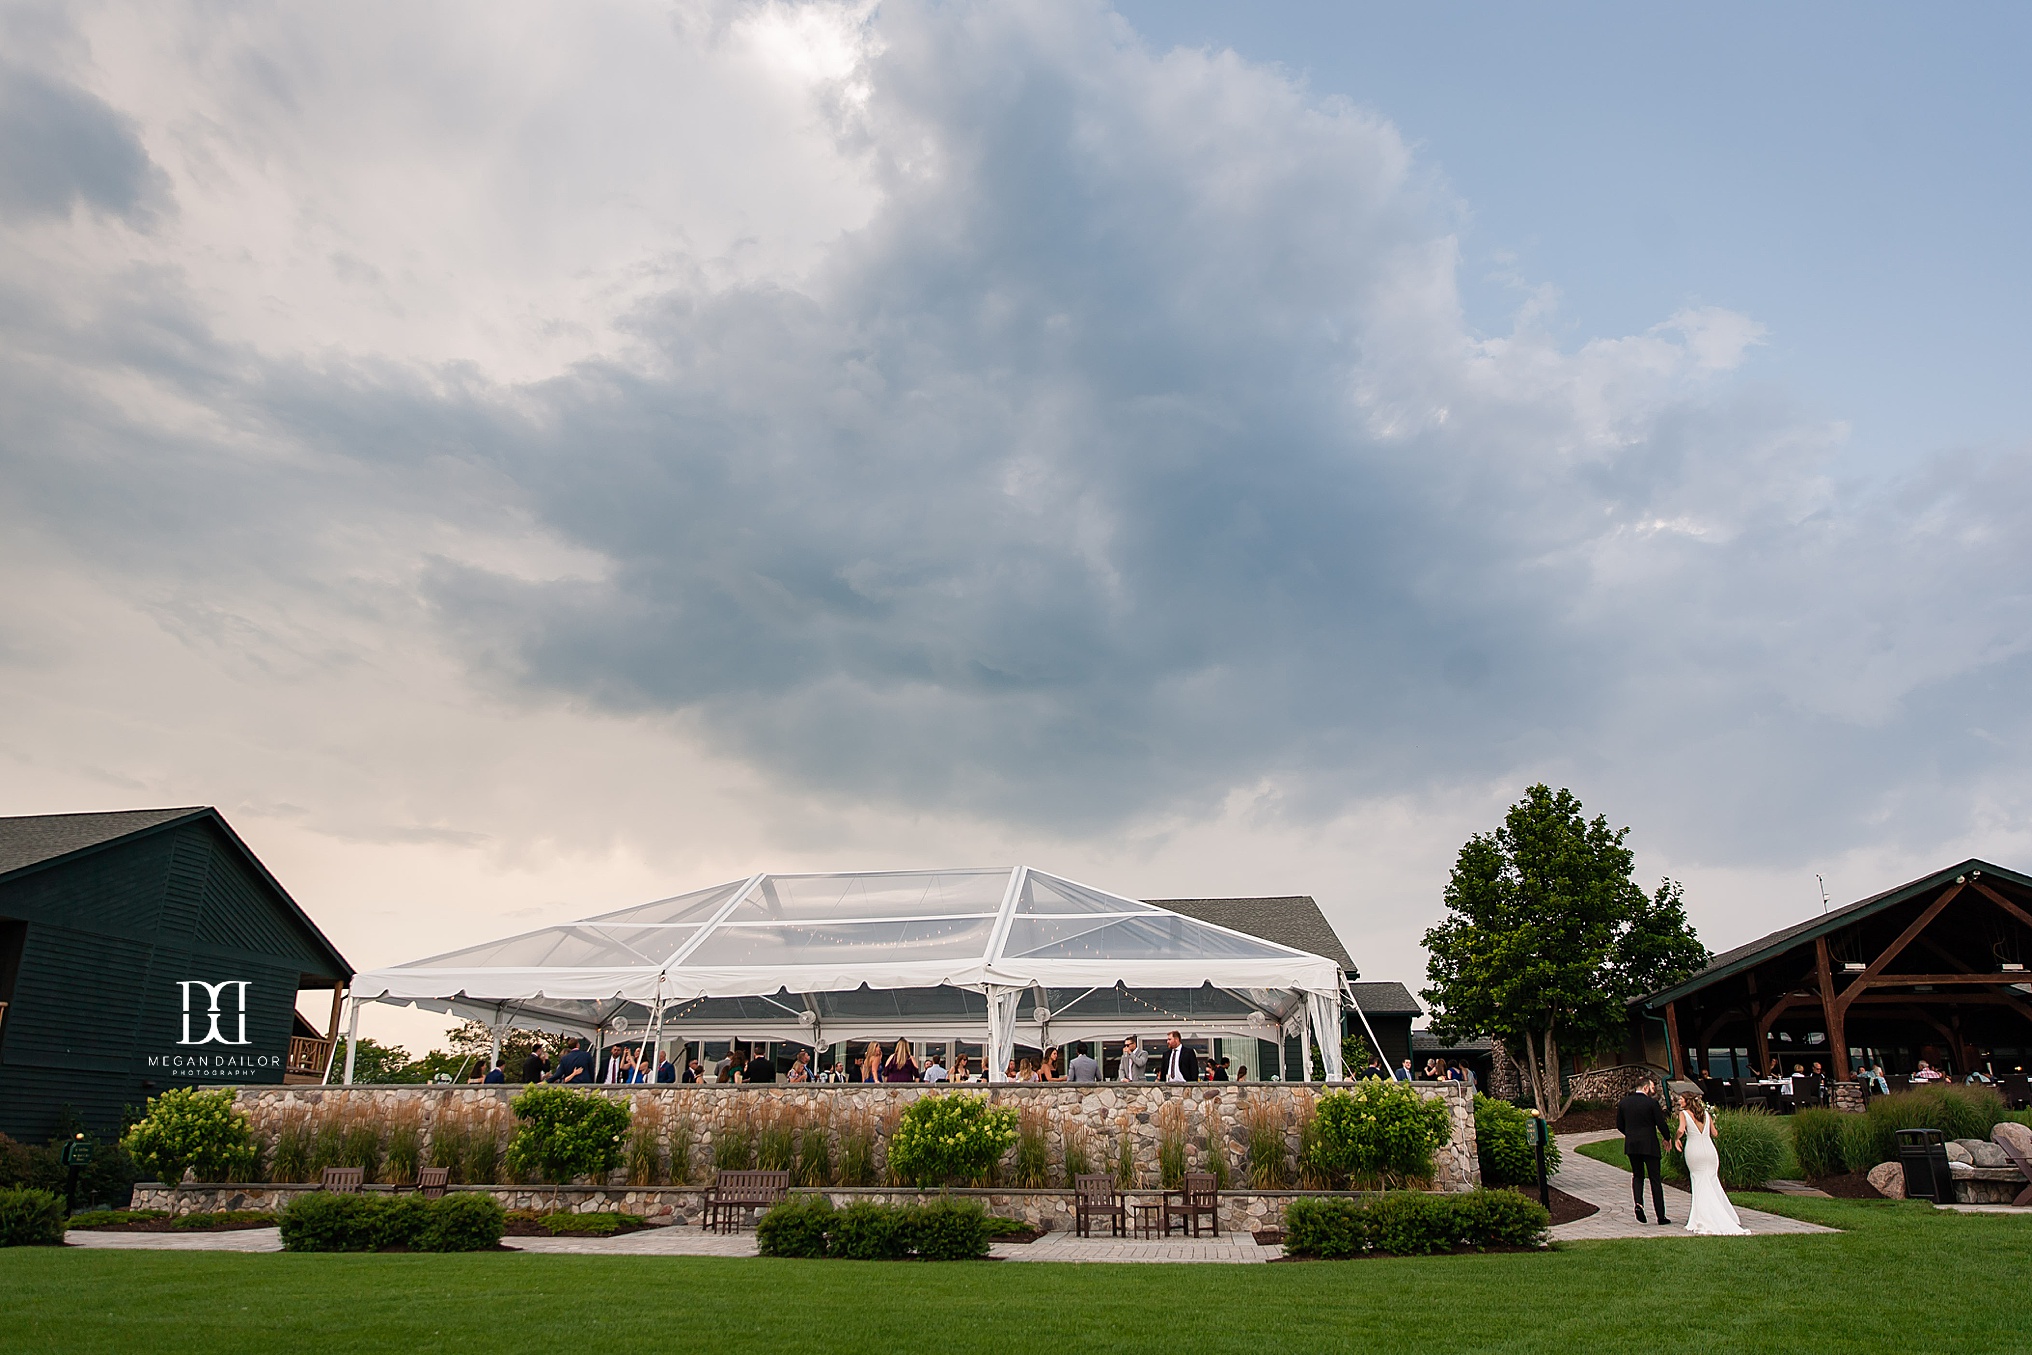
[{"x": 963, "y": 952}]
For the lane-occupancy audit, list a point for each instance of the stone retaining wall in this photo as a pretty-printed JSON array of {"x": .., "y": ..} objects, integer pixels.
[
  {"x": 1107, "y": 1114},
  {"x": 1046, "y": 1210}
]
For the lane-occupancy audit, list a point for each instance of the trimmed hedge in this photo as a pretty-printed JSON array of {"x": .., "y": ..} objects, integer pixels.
[
  {"x": 31, "y": 1218},
  {"x": 1413, "y": 1223},
  {"x": 1503, "y": 1143},
  {"x": 808, "y": 1226},
  {"x": 326, "y": 1221}
]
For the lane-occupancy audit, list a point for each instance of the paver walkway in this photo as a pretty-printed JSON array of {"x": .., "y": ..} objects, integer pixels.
[
  {"x": 1609, "y": 1188},
  {"x": 239, "y": 1239}
]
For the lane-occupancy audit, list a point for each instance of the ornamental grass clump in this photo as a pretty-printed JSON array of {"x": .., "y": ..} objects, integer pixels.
[
  {"x": 1957, "y": 1112},
  {"x": 857, "y": 1151},
  {"x": 949, "y": 1139},
  {"x": 1504, "y": 1144},
  {"x": 1171, "y": 1145},
  {"x": 734, "y": 1145},
  {"x": 776, "y": 1141},
  {"x": 645, "y": 1152},
  {"x": 1269, "y": 1161},
  {"x": 1079, "y": 1149},
  {"x": 1216, "y": 1145},
  {"x": 404, "y": 1151},
  {"x": 683, "y": 1134},
  {"x": 289, "y": 1159},
  {"x": 1750, "y": 1143},
  {"x": 1032, "y": 1168},
  {"x": 1376, "y": 1134},
  {"x": 566, "y": 1135},
  {"x": 1817, "y": 1142},
  {"x": 189, "y": 1130},
  {"x": 814, "y": 1150}
]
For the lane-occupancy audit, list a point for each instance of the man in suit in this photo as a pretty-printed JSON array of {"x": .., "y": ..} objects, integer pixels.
[
  {"x": 576, "y": 1065},
  {"x": 1133, "y": 1060},
  {"x": 1181, "y": 1064},
  {"x": 1641, "y": 1120}
]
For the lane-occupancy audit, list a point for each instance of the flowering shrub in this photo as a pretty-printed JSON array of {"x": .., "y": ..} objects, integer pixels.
[
  {"x": 566, "y": 1134},
  {"x": 1503, "y": 1141},
  {"x": 953, "y": 1139},
  {"x": 1376, "y": 1133},
  {"x": 198, "y": 1131}
]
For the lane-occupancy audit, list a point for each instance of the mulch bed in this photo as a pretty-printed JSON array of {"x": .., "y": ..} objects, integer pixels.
[
  {"x": 173, "y": 1226},
  {"x": 1565, "y": 1208},
  {"x": 1585, "y": 1121},
  {"x": 1025, "y": 1235},
  {"x": 1848, "y": 1186},
  {"x": 528, "y": 1227}
]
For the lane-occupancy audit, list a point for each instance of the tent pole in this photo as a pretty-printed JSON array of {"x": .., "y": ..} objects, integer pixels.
[
  {"x": 352, "y": 1034},
  {"x": 1374, "y": 1044},
  {"x": 1305, "y": 1049}
]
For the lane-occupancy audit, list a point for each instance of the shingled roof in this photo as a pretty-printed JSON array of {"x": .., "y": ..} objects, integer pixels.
[
  {"x": 35, "y": 839},
  {"x": 1386, "y": 999},
  {"x": 1293, "y": 920}
]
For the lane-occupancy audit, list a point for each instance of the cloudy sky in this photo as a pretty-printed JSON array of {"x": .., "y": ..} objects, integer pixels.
[{"x": 522, "y": 460}]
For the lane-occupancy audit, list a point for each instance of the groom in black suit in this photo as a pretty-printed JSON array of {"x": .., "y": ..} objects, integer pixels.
[{"x": 1641, "y": 1120}]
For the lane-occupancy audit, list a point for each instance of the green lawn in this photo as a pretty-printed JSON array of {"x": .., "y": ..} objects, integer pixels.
[{"x": 1849, "y": 1293}]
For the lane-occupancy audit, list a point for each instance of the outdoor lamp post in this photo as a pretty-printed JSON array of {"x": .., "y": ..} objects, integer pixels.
[
  {"x": 75, "y": 1155},
  {"x": 1538, "y": 1132}
]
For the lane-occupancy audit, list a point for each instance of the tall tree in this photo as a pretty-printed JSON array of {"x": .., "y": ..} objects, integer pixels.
[{"x": 1546, "y": 935}]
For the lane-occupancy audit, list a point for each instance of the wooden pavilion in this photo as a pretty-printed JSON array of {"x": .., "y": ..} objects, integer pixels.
[{"x": 1934, "y": 970}]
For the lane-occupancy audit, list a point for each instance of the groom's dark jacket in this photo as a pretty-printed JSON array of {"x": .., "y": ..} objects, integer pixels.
[{"x": 1641, "y": 1120}]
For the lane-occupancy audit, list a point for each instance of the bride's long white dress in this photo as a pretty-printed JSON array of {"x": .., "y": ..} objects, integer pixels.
[{"x": 1713, "y": 1215}]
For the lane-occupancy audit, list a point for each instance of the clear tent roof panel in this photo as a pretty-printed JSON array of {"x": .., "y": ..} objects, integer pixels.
[{"x": 809, "y": 933}]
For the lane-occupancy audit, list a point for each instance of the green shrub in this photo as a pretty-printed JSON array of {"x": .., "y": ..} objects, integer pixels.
[
  {"x": 31, "y": 1218},
  {"x": 1269, "y": 1165},
  {"x": 949, "y": 1139},
  {"x": 1376, "y": 1133},
  {"x": 565, "y": 1134},
  {"x": 1412, "y": 1223},
  {"x": 360, "y": 1146},
  {"x": 1504, "y": 1146},
  {"x": 1817, "y": 1141},
  {"x": 1751, "y": 1145},
  {"x": 211, "y": 1220},
  {"x": 327, "y": 1221},
  {"x": 950, "y": 1230},
  {"x": 600, "y": 1223},
  {"x": 481, "y": 1160},
  {"x": 113, "y": 1218},
  {"x": 405, "y": 1153},
  {"x": 868, "y": 1232},
  {"x": 776, "y": 1144},
  {"x": 461, "y": 1222},
  {"x": 1499, "y": 1218},
  {"x": 1957, "y": 1112},
  {"x": 681, "y": 1136},
  {"x": 857, "y": 1154},
  {"x": 796, "y": 1227},
  {"x": 187, "y": 1129}
]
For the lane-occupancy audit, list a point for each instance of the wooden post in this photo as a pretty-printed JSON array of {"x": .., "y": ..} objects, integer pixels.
[
  {"x": 1760, "y": 1026},
  {"x": 1672, "y": 1047},
  {"x": 1835, "y": 1015},
  {"x": 338, "y": 997}
]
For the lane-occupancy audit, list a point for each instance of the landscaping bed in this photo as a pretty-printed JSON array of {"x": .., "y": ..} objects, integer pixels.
[
  {"x": 158, "y": 1221},
  {"x": 1847, "y": 1186},
  {"x": 529, "y": 1223},
  {"x": 1565, "y": 1208}
]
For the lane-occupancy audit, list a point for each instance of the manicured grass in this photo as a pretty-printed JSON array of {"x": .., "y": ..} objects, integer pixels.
[{"x": 1708, "y": 1294}]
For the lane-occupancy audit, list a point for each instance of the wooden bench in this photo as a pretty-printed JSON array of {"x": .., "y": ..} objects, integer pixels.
[
  {"x": 343, "y": 1180},
  {"x": 734, "y": 1194},
  {"x": 1095, "y": 1196},
  {"x": 431, "y": 1182}
]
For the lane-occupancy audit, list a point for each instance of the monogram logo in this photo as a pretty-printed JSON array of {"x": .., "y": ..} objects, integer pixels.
[{"x": 213, "y": 992}]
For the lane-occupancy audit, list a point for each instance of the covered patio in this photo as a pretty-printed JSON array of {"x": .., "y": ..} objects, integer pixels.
[{"x": 993, "y": 958}]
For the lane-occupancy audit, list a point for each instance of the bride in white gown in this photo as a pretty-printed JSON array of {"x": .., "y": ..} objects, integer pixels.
[{"x": 1712, "y": 1215}]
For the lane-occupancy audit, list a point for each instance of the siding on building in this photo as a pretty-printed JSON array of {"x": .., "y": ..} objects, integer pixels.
[{"x": 108, "y": 934}]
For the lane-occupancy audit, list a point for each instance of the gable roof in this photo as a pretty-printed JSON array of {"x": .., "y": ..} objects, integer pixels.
[
  {"x": 1291, "y": 920},
  {"x": 1755, "y": 952},
  {"x": 1386, "y": 999},
  {"x": 30, "y": 842},
  {"x": 36, "y": 839}
]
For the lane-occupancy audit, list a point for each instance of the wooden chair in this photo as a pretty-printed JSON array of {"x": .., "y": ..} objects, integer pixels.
[
  {"x": 1095, "y": 1196},
  {"x": 343, "y": 1180},
  {"x": 734, "y": 1195},
  {"x": 431, "y": 1181},
  {"x": 1199, "y": 1198}
]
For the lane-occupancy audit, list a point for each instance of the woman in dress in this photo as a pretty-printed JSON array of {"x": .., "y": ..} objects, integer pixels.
[
  {"x": 1712, "y": 1215},
  {"x": 900, "y": 1067},
  {"x": 871, "y": 1063}
]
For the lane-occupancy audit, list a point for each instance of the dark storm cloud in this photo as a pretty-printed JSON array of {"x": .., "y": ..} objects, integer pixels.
[{"x": 61, "y": 146}]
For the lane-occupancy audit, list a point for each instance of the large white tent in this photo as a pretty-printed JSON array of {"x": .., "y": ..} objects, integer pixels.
[{"x": 994, "y": 956}]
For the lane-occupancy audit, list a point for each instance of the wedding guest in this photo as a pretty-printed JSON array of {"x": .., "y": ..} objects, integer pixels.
[
  {"x": 533, "y": 1067},
  {"x": 871, "y": 1063},
  {"x": 899, "y": 1066},
  {"x": 1083, "y": 1068},
  {"x": 934, "y": 1071},
  {"x": 1026, "y": 1071},
  {"x": 1133, "y": 1060},
  {"x": 495, "y": 1076},
  {"x": 666, "y": 1071},
  {"x": 1928, "y": 1073},
  {"x": 800, "y": 1067},
  {"x": 694, "y": 1071}
]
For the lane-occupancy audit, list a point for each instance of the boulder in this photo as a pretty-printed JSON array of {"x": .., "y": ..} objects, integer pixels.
[
  {"x": 1957, "y": 1153},
  {"x": 1888, "y": 1180},
  {"x": 1983, "y": 1153},
  {"x": 2015, "y": 1134}
]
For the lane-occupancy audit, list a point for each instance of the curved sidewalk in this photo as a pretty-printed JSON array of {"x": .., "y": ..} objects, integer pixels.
[{"x": 1608, "y": 1188}]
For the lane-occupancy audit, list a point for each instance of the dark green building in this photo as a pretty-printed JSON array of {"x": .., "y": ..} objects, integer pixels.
[{"x": 143, "y": 950}]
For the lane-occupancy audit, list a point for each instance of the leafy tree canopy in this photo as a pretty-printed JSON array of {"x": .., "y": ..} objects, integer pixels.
[{"x": 1548, "y": 937}]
